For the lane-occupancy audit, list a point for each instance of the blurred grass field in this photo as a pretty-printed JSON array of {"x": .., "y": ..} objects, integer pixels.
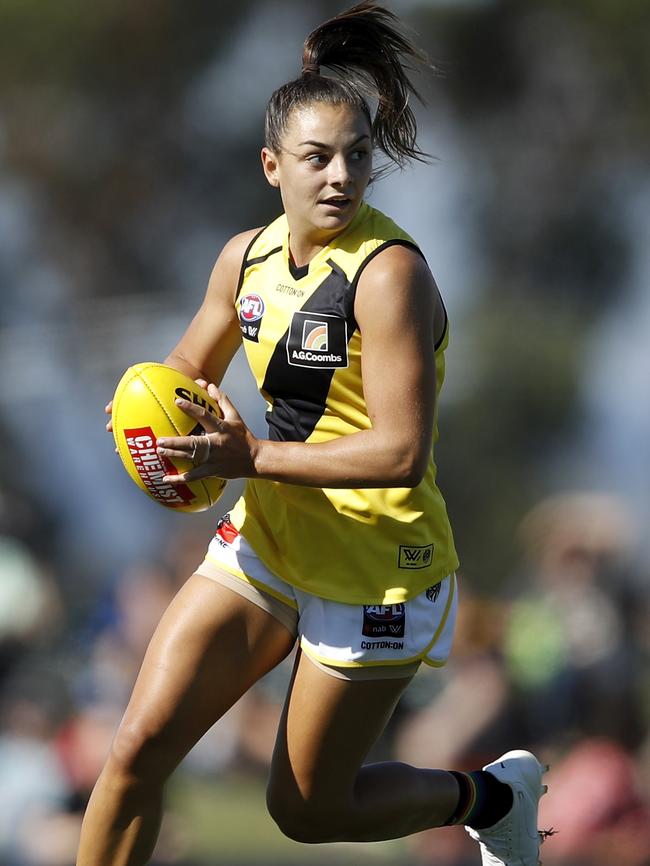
[{"x": 225, "y": 820}]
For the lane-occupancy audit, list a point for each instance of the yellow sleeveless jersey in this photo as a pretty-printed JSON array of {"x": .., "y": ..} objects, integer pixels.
[{"x": 368, "y": 546}]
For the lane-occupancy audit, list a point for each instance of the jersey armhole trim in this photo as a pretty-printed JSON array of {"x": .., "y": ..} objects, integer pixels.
[
  {"x": 401, "y": 242},
  {"x": 445, "y": 328},
  {"x": 404, "y": 243},
  {"x": 263, "y": 258},
  {"x": 244, "y": 261}
]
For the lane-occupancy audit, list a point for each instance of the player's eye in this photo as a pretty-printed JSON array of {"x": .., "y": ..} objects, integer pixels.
[
  {"x": 317, "y": 159},
  {"x": 359, "y": 155}
]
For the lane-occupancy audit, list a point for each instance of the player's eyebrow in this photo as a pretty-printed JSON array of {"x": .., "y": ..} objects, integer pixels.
[{"x": 327, "y": 146}]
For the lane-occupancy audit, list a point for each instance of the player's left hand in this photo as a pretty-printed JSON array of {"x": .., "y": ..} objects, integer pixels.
[{"x": 226, "y": 449}]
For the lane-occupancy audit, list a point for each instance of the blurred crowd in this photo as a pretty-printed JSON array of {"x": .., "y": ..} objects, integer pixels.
[{"x": 557, "y": 660}]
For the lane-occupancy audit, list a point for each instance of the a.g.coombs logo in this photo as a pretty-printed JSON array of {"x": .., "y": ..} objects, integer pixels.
[
  {"x": 317, "y": 340},
  {"x": 151, "y": 468},
  {"x": 314, "y": 336},
  {"x": 251, "y": 310}
]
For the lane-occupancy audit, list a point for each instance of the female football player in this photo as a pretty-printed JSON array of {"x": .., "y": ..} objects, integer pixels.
[{"x": 341, "y": 540}]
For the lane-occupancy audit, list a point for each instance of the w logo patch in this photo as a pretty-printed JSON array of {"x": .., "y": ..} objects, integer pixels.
[{"x": 415, "y": 556}]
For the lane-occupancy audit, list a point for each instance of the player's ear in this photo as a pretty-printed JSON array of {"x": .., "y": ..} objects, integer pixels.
[{"x": 270, "y": 166}]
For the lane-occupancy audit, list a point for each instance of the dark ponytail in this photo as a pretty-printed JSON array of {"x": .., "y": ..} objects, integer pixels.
[{"x": 369, "y": 54}]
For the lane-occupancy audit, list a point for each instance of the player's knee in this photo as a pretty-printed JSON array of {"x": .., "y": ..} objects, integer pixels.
[
  {"x": 301, "y": 826},
  {"x": 302, "y": 820},
  {"x": 135, "y": 753}
]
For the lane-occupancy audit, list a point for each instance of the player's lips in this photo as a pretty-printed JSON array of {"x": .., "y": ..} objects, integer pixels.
[{"x": 337, "y": 201}]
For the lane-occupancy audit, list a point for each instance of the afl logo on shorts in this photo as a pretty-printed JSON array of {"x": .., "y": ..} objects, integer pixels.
[
  {"x": 251, "y": 310},
  {"x": 384, "y": 619}
]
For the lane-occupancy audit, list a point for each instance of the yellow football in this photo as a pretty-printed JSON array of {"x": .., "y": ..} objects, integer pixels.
[{"x": 144, "y": 410}]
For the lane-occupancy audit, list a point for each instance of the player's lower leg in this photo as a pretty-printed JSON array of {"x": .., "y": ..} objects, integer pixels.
[
  {"x": 391, "y": 800},
  {"x": 122, "y": 821}
]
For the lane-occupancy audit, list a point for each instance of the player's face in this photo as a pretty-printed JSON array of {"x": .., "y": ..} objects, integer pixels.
[{"x": 323, "y": 167}]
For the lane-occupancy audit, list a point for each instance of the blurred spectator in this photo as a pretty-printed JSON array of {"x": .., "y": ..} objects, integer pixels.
[
  {"x": 124, "y": 624},
  {"x": 599, "y": 807},
  {"x": 30, "y": 605},
  {"x": 34, "y": 783},
  {"x": 568, "y": 645},
  {"x": 52, "y": 751}
]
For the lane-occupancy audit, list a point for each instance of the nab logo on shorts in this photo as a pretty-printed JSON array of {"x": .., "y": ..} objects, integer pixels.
[
  {"x": 384, "y": 619},
  {"x": 415, "y": 556},
  {"x": 251, "y": 310},
  {"x": 317, "y": 340}
]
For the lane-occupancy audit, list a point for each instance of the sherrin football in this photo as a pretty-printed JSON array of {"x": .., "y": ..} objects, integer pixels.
[{"x": 144, "y": 410}]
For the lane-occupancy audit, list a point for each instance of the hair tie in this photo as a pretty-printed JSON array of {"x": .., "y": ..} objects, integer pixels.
[{"x": 310, "y": 68}]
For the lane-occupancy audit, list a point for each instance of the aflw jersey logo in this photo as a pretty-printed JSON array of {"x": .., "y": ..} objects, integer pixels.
[
  {"x": 415, "y": 556},
  {"x": 317, "y": 340}
]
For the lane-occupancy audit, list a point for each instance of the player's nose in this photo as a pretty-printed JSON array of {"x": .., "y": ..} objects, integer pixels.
[{"x": 339, "y": 171}]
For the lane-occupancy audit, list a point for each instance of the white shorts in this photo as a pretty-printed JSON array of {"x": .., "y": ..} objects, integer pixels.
[{"x": 358, "y": 641}]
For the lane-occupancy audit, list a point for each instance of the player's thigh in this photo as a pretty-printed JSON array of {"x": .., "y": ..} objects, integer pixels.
[
  {"x": 327, "y": 728},
  {"x": 210, "y": 647}
]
